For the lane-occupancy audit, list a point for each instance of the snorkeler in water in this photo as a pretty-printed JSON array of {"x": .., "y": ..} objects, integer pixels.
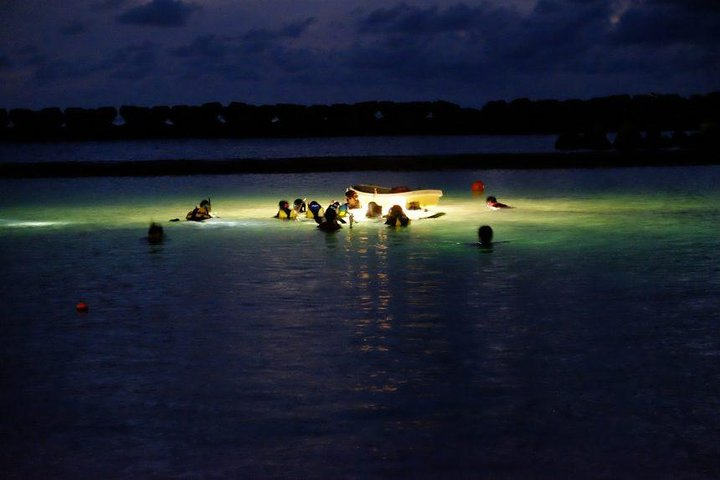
[
  {"x": 330, "y": 222},
  {"x": 340, "y": 211},
  {"x": 315, "y": 211},
  {"x": 299, "y": 206},
  {"x": 201, "y": 212},
  {"x": 285, "y": 212},
  {"x": 351, "y": 199},
  {"x": 493, "y": 204},
  {"x": 156, "y": 233},
  {"x": 396, "y": 217},
  {"x": 374, "y": 210},
  {"x": 485, "y": 235}
]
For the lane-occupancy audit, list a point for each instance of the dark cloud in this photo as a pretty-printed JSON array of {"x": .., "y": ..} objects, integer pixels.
[
  {"x": 707, "y": 5},
  {"x": 109, "y": 4},
  {"x": 133, "y": 61},
  {"x": 460, "y": 42},
  {"x": 495, "y": 33},
  {"x": 241, "y": 72},
  {"x": 555, "y": 22},
  {"x": 226, "y": 68},
  {"x": 253, "y": 56},
  {"x": 74, "y": 28},
  {"x": 212, "y": 56},
  {"x": 256, "y": 50},
  {"x": 202, "y": 46},
  {"x": 456, "y": 43},
  {"x": 52, "y": 71},
  {"x": 296, "y": 29},
  {"x": 289, "y": 30},
  {"x": 466, "y": 51},
  {"x": 639, "y": 60},
  {"x": 129, "y": 62},
  {"x": 482, "y": 43},
  {"x": 160, "y": 13},
  {"x": 668, "y": 22},
  {"x": 206, "y": 57},
  {"x": 554, "y": 38},
  {"x": 303, "y": 63},
  {"x": 26, "y": 56},
  {"x": 406, "y": 19},
  {"x": 397, "y": 58},
  {"x": 5, "y": 62}
]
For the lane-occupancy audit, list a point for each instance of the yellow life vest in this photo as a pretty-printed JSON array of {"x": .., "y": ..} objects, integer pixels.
[
  {"x": 310, "y": 214},
  {"x": 284, "y": 216}
]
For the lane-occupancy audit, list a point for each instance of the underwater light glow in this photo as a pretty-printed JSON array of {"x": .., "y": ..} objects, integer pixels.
[{"x": 32, "y": 224}]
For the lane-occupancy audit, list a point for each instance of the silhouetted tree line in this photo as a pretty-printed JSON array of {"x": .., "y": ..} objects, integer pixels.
[{"x": 640, "y": 121}]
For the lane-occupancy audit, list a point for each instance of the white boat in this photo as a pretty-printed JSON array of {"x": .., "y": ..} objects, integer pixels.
[{"x": 385, "y": 197}]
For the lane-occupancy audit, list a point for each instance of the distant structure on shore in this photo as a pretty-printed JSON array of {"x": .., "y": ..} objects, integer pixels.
[{"x": 640, "y": 121}]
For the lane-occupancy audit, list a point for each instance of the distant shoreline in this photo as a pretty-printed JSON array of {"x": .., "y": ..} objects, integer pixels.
[{"x": 484, "y": 161}]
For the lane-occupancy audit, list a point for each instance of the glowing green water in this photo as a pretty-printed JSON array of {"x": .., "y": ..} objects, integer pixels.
[{"x": 553, "y": 208}]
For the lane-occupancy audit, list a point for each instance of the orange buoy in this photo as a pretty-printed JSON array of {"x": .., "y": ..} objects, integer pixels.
[
  {"x": 81, "y": 307},
  {"x": 478, "y": 186}
]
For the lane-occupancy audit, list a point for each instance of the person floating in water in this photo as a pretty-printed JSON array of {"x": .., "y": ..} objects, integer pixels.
[
  {"x": 485, "y": 236},
  {"x": 330, "y": 222},
  {"x": 315, "y": 211},
  {"x": 351, "y": 199},
  {"x": 374, "y": 210},
  {"x": 299, "y": 206},
  {"x": 341, "y": 211},
  {"x": 493, "y": 204},
  {"x": 155, "y": 233},
  {"x": 200, "y": 212},
  {"x": 284, "y": 211},
  {"x": 396, "y": 217}
]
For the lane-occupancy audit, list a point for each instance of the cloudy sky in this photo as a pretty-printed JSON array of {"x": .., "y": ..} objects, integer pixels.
[{"x": 163, "y": 52}]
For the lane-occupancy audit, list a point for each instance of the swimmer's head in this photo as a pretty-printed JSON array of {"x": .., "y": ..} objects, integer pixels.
[
  {"x": 330, "y": 214},
  {"x": 396, "y": 210},
  {"x": 155, "y": 233},
  {"x": 485, "y": 234}
]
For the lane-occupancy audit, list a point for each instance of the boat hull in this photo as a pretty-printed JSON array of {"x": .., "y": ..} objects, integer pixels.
[{"x": 386, "y": 198}]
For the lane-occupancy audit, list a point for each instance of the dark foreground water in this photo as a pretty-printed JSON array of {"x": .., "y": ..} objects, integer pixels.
[{"x": 585, "y": 344}]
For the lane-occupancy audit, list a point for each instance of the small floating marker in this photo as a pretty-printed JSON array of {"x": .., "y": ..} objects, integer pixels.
[
  {"x": 478, "y": 186},
  {"x": 81, "y": 307}
]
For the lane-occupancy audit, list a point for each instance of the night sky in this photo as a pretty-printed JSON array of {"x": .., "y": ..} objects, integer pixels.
[{"x": 165, "y": 52}]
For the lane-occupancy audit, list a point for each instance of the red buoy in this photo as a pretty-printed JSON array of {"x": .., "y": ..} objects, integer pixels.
[
  {"x": 478, "y": 186},
  {"x": 81, "y": 307}
]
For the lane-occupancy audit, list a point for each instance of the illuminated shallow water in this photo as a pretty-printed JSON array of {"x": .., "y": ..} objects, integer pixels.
[{"x": 584, "y": 345}]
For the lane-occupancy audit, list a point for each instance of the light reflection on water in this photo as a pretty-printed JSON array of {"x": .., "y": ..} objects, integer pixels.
[{"x": 584, "y": 341}]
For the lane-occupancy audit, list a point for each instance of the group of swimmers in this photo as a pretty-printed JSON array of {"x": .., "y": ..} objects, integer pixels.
[
  {"x": 330, "y": 218},
  {"x": 333, "y": 215}
]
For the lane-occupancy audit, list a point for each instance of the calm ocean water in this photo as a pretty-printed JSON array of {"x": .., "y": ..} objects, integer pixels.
[{"x": 585, "y": 344}]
